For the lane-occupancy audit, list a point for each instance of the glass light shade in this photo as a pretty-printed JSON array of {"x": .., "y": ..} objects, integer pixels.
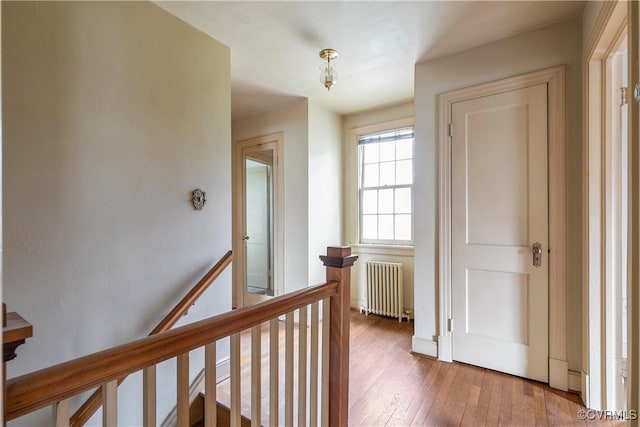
[{"x": 328, "y": 75}]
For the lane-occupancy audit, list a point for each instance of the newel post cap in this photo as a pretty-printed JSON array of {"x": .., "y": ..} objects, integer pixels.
[{"x": 338, "y": 257}]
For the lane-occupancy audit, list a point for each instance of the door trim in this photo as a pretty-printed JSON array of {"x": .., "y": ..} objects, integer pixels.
[
  {"x": 238, "y": 215},
  {"x": 609, "y": 27},
  {"x": 554, "y": 78}
]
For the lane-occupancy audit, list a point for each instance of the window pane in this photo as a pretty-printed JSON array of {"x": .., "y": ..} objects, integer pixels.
[
  {"x": 385, "y": 201},
  {"x": 371, "y": 153},
  {"x": 404, "y": 149},
  {"x": 387, "y": 173},
  {"x": 387, "y": 151},
  {"x": 403, "y": 227},
  {"x": 369, "y": 226},
  {"x": 385, "y": 227},
  {"x": 403, "y": 200},
  {"x": 370, "y": 202},
  {"x": 404, "y": 173},
  {"x": 371, "y": 175}
]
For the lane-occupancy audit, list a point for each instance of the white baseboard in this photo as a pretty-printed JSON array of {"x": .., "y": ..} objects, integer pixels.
[
  {"x": 223, "y": 371},
  {"x": 558, "y": 374},
  {"x": 575, "y": 381},
  {"x": 424, "y": 346},
  {"x": 444, "y": 348}
]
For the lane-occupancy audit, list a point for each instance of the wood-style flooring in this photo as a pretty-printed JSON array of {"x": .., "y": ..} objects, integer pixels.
[{"x": 390, "y": 386}]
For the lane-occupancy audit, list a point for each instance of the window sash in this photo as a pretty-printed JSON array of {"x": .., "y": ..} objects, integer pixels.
[{"x": 393, "y": 135}]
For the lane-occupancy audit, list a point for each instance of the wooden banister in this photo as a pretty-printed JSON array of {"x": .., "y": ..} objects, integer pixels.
[
  {"x": 38, "y": 389},
  {"x": 91, "y": 405}
]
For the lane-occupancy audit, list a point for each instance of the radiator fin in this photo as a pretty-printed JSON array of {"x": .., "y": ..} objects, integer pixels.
[{"x": 384, "y": 289}]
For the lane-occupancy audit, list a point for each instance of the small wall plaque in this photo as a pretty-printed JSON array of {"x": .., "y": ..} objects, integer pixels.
[{"x": 198, "y": 198}]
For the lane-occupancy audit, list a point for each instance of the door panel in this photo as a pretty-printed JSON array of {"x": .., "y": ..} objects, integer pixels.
[{"x": 499, "y": 210}]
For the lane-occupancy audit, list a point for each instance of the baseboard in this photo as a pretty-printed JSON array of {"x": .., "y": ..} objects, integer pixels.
[
  {"x": 424, "y": 346},
  {"x": 558, "y": 374},
  {"x": 444, "y": 348},
  {"x": 575, "y": 381},
  {"x": 223, "y": 371}
]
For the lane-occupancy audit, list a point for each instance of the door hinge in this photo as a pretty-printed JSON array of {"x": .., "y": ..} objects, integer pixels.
[
  {"x": 623, "y": 96},
  {"x": 623, "y": 368},
  {"x": 450, "y": 130},
  {"x": 450, "y": 325}
]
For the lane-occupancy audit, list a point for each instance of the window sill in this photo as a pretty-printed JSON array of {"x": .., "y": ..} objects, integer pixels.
[{"x": 368, "y": 248}]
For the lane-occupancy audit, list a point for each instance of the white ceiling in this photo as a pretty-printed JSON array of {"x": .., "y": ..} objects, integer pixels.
[{"x": 275, "y": 45}]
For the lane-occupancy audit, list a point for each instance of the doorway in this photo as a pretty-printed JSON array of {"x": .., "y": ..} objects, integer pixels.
[
  {"x": 257, "y": 220},
  {"x": 606, "y": 189},
  {"x": 534, "y": 352}
]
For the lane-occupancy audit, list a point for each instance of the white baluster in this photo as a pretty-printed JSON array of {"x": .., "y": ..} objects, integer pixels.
[
  {"x": 274, "y": 361},
  {"x": 149, "y": 396},
  {"x": 210, "y": 378},
  {"x": 61, "y": 413},
  {"x": 256, "y": 385},
  {"x": 110, "y": 404}
]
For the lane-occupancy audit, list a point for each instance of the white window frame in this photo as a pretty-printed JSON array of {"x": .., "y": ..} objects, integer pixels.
[{"x": 354, "y": 184}]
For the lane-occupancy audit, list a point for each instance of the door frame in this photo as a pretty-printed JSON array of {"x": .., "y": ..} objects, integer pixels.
[
  {"x": 608, "y": 29},
  {"x": 554, "y": 78},
  {"x": 238, "y": 195}
]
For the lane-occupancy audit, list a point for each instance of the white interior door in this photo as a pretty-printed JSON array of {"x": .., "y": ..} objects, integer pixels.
[{"x": 499, "y": 211}]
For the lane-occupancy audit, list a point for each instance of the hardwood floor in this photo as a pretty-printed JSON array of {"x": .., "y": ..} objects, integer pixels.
[{"x": 390, "y": 386}]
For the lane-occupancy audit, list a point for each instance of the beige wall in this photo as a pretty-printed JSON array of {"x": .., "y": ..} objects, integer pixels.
[
  {"x": 350, "y": 196},
  {"x": 589, "y": 18},
  {"x": 556, "y": 44},
  {"x": 325, "y": 185},
  {"x": 312, "y": 179},
  {"x": 293, "y": 121},
  {"x": 113, "y": 112}
]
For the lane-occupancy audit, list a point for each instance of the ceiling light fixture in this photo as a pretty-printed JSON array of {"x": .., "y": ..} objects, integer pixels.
[{"x": 328, "y": 73}]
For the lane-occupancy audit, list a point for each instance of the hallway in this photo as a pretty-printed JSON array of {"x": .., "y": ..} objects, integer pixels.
[{"x": 391, "y": 387}]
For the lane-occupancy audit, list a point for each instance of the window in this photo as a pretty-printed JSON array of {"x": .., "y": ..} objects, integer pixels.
[{"x": 385, "y": 171}]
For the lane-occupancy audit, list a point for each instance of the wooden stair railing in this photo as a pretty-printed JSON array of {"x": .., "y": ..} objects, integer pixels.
[
  {"x": 91, "y": 405},
  {"x": 57, "y": 384}
]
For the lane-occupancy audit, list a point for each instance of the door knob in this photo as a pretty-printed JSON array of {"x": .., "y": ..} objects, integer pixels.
[
  {"x": 537, "y": 254},
  {"x": 245, "y": 237}
]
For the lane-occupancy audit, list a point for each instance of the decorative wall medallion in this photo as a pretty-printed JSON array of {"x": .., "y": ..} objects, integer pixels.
[{"x": 198, "y": 199}]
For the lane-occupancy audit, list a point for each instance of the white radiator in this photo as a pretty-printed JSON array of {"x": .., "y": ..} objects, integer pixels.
[{"x": 384, "y": 289}]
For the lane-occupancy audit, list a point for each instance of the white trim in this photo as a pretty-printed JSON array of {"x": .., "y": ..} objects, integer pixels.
[
  {"x": 223, "y": 370},
  {"x": 383, "y": 250},
  {"x": 275, "y": 141},
  {"x": 559, "y": 371},
  {"x": 575, "y": 381},
  {"x": 633, "y": 297},
  {"x": 605, "y": 36},
  {"x": 352, "y": 190},
  {"x": 423, "y": 346},
  {"x": 554, "y": 78},
  {"x": 445, "y": 345}
]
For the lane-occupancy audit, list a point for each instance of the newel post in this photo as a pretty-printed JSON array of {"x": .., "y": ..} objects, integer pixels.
[{"x": 338, "y": 262}]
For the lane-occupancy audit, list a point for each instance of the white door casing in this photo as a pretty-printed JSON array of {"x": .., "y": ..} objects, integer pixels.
[
  {"x": 554, "y": 79},
  {"x": 254, "y": 149},
  {"x": 499, "y": 211}
]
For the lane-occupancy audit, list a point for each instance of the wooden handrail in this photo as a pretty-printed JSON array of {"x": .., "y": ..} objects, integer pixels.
[
  {"x": 38, "y": 389},
  {"x": 91, "y": 405}
]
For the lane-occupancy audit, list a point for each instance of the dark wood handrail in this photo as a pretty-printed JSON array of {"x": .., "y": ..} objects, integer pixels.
[
  {"x": 38, "y": 389},
  {"x": 91, "y": 405}
]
